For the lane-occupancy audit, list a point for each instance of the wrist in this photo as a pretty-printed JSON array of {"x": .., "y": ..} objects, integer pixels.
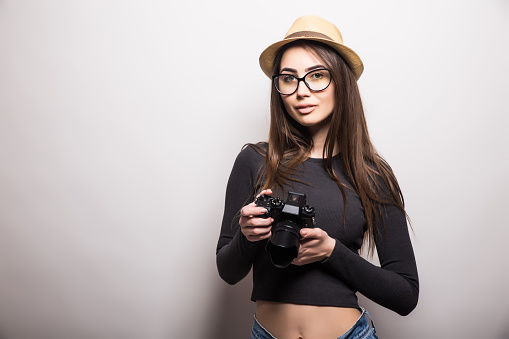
[{"x": 331, "y": 244}]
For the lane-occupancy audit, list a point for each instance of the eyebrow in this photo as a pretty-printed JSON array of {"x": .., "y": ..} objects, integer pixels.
[{"x": 293, "y": 70}]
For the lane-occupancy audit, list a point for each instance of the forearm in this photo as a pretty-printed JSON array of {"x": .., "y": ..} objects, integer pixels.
[
  {"x": 397, "y": 290},
  {"x": 234, "y": 253},
  {"x": 235, "y": 258}
]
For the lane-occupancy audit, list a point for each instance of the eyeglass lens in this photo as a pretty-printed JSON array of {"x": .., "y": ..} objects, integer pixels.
[{"x": 316, "y": 81}]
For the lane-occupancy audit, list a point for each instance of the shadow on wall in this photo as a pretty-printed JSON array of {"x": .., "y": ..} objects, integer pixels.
[
  {"x": 505, "y": 331},
  {"x": 233, "y": 312}
]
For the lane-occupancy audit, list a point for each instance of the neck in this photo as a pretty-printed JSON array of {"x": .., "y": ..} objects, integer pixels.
[{"x": 319, "y": 134}]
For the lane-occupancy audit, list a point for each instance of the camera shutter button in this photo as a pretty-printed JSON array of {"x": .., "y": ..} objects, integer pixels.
[
  {"x": 276, "y": 202},
  {"x": 309, "y": 209}
]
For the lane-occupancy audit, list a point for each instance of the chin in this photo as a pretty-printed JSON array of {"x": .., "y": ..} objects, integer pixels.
[{"x": 310, "y": 122}]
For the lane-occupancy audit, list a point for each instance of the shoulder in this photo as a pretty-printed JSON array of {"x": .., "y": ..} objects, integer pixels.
[
  {"x": 250, "y": 159},
  {"x": 247, "y": 168},
  {"x": 252, "y": 154},
  {"x": 386, "y": 185}
]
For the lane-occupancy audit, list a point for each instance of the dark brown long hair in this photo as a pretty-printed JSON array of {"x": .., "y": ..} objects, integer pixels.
[{"x": 290, "y": 143}]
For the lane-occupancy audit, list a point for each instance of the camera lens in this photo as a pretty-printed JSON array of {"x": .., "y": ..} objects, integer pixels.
[{"x": 283, "y": 245}]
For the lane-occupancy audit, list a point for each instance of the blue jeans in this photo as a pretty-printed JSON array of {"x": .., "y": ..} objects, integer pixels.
[{"x": 360, "y": 330}]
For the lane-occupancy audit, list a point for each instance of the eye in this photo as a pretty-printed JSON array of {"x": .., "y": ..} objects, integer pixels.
[
  {"x": 317, "y": 75},
  {"x": 287, "y": 77}
]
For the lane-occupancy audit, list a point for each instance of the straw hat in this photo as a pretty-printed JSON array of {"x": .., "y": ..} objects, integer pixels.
[{"x": 311, "y": 27}]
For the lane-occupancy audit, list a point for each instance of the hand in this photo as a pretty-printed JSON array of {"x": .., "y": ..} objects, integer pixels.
[
  {"x": 252, "y": 226},
  {"x": 316, "y": 245}
]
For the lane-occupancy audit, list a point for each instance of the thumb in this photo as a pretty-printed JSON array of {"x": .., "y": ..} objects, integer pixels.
[{"x": 307, "y": 232}]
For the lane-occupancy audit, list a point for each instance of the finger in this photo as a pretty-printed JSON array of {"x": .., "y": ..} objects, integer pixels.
[
  {"x": 255, "y": 222},
  {"x": 266, "y": 236},
  {"x": 252, "y": 210},
  {"x": 297, "y": 262},
  {"x": 259, "y": 222},
  {"x": 254, "y": 238},
  {"x": 244, "y": 212},
  {"x": 267, "y": 191},
  {"x": 257, "y": 232},
  {"x": 260, "y": 231},
  {"x": 250, "y": 222},
  {"x": 309, "y": 233},
  {"x": 305, "y": 256}
]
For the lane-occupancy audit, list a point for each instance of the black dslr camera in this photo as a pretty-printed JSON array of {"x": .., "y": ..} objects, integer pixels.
[{"x": 289, "y": 219}]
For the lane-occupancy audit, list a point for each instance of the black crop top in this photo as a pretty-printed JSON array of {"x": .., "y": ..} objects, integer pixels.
[{"x": 334, "y": 281}]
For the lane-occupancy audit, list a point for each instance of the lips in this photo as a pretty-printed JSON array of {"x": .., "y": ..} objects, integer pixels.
[{"x": 305, "y": 108}]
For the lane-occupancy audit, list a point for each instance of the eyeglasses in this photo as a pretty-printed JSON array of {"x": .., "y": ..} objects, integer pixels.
[{"x": 316, "y": 80}]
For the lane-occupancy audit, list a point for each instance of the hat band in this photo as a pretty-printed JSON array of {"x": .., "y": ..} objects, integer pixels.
[{"x": 307, "y": 34}]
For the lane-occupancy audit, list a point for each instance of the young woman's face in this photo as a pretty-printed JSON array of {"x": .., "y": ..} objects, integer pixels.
[{"x": 308, "y": 108}]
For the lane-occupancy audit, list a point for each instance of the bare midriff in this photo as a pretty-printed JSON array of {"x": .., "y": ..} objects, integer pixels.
[{"x": 292, "y": 321}]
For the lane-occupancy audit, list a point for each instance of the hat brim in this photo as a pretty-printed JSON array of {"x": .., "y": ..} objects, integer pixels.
[{"x": 351, "y": 58}]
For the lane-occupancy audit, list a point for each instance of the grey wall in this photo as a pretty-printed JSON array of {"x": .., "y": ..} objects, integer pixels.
[{"x": 119, "y": 125}]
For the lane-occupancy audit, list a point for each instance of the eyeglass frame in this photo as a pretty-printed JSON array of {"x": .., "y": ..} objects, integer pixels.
[{"x": 302, "y": 79}]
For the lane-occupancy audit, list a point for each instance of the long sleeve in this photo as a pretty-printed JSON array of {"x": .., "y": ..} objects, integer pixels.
[
  {"x": 395, "y": 283},
  {"x": 234, "y": 253}
]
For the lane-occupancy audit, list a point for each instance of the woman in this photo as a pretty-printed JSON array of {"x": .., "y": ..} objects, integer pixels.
[{"x": 318, "y": 146}]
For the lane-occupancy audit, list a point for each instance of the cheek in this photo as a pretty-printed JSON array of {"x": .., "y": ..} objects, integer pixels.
[
  {"x": 287, "y": 104},
  {"x": 330, "y": 100},
  {"x": 331, "y": 103}
]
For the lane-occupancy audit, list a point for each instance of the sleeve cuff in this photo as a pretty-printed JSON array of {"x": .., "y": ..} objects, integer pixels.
[{"x": 330, "y": 258}]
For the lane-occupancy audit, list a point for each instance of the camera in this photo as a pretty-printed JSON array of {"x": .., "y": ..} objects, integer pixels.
[{"x": 289, "y": 219}]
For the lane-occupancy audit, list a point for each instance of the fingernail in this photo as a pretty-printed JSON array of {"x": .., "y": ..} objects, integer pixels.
[{"x": 303, "y": 232}]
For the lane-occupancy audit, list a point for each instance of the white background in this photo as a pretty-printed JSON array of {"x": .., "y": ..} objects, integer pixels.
[{"x": 120, "y": 121}]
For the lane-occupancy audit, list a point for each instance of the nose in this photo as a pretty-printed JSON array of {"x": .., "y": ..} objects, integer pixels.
[{"x": 302, "y": 89}]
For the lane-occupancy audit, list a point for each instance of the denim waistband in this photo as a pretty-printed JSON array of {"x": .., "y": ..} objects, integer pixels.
[
  {"x": 360, "y": 330},
  {"x": 259, "y": 332}
]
